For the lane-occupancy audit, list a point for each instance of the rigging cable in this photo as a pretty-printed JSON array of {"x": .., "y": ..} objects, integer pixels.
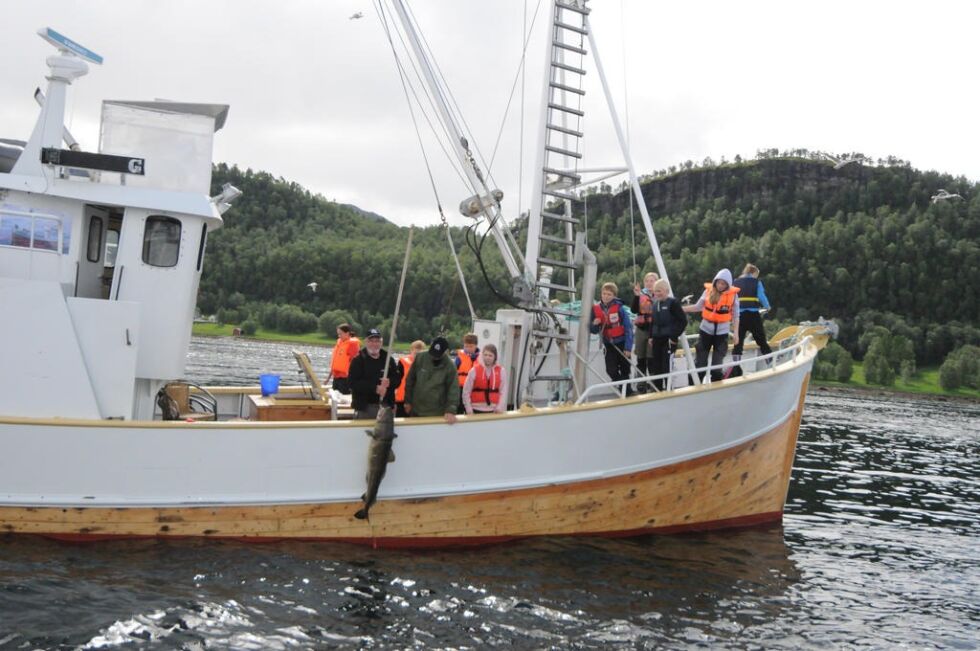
[
  {"x": 626, "y": 109},
  {"x": 428, "y": 168}
]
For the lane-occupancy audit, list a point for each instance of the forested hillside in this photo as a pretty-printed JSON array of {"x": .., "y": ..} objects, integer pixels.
[{"x": 864, "y": 244}]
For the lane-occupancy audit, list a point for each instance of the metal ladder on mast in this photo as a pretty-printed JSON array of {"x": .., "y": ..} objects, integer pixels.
[{"x": 555, "y": 274}]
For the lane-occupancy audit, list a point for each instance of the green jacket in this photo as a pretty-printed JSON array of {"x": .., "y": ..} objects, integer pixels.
[{"x": 432, "y": 390}]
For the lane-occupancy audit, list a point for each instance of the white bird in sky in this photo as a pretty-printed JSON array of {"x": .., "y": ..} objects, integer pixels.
[
  {"x": 942, "y": 195},
  {"x": 359, "y": 14},
  {"x": 312, "y": 285},
  {"x": 841, "y": 161}
]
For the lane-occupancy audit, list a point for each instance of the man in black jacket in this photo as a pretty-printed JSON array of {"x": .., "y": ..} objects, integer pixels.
[{"x": 366, "y": 383}]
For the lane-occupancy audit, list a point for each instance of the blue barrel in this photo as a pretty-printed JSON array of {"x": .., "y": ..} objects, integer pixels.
[{"x": 269, "y": 383}]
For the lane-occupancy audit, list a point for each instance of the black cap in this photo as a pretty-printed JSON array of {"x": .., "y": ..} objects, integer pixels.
[
  {"x": 373, "y": 332},
  {"x": 438, "y": 347}
]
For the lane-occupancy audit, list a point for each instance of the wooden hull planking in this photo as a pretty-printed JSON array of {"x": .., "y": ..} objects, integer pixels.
[{"x": 739, "y": 486}]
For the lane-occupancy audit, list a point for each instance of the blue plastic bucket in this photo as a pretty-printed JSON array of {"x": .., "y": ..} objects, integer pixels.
[{"x": 269, "y": 383}]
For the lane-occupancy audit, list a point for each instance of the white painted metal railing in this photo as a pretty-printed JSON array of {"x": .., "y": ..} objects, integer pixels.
[{"x": 789, "y": 354}]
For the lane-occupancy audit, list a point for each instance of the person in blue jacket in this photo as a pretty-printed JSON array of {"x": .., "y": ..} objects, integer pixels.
[
  {"x": 751, "y": 299},
  {"x": 611, "y": 320}
]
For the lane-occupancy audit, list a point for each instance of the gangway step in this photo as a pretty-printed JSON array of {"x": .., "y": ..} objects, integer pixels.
[
  {"x": 585, "y": 11},
  {"x": 556, "y": 287},
  {"x": 575, "y": 178},
  {"x": 561, "y": 218},
  {"x": 551, "y": 378},
  {"x": 560, "y": 195},
  {"x": 557, "y": 263},
  {"x": 563, "y": 152},
  {"x": 556, "y": 240},
  {"x": 569, "y": 47},
  {"x": 566, "y": 109},
  {"x": 567, "y": 68},
  {"x": 571, "y": 28},
  {"x": 569, "y": 89},
  {"x": 566, "y": 130}
]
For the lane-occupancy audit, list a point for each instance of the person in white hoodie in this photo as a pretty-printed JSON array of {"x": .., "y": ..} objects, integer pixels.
[{"x": 719, "y": 318}]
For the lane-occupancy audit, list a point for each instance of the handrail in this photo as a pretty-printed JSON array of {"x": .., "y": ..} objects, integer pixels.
[{"x": 791, "y": 352}]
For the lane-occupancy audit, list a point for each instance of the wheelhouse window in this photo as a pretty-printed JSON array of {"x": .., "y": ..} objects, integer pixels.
[
  {"x": 161, "y": 241},
  {"x": 200, "y": 251},
  {"x": 94, "y": 249},
  {"x": 111, "y": 247},
  {"x": 15, "y": 230},
  {"x": 39, "y": 232}
]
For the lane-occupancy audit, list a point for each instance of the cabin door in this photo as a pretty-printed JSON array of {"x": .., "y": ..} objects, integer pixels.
[{"x": 91, "y": 260}]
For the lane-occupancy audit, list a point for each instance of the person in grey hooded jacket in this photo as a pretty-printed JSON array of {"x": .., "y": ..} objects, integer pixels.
[{"x": 719, "y": 318}]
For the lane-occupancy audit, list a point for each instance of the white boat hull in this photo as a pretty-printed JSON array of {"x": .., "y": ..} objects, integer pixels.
[{"x": 153, "y": 470}]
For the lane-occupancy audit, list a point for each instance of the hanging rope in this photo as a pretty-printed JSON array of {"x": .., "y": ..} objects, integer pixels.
[
  {"x": 459, "y": 267},
  {"x": 398, "y": 301}
]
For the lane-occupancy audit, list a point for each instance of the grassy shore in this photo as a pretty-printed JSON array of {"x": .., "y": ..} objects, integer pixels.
[
  {"x": 311, "y": 338},
  {"x": 925, "y": 382},
  {"x": 224, "y": 330}
]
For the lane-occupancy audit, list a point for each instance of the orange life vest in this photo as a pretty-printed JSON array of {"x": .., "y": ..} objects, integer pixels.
[
  {"x": 486, "y": 391},
  {"x": 612, "y": 320},
  {"x": 720, "y": 312},
  {"x": 343, "y": 353},
  {"x": 406, "y": 363},
  {"x": 645, "y": 317},
  {"x": 465, "y": 364}
]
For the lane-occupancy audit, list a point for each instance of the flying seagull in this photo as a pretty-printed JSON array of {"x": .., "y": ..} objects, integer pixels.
[
  {"x": 359, "y": 14},
  {"x": 841, "y": 161},
  {"x": 942, "y": 195},
  {"x": 312, "y": 285}
]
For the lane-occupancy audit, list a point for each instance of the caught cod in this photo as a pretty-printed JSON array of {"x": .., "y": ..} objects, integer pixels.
[{"x": 379, "y": 456}]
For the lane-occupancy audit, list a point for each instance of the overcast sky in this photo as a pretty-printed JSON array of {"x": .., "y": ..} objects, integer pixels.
[{"x": 315, "y": 97}]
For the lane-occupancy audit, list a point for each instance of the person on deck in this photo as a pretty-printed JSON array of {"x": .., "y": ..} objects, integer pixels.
[
  {"x": 719, "y": 318},
  {"x": 405, "y": 361},
  {"x": 642, "y": 307},
  {"x": 465, "y": 358},
  {"x": 667, "y": 325},
  {"x": 369, "y": 387},
  {"x": 751, "y": 297},
  {"x": 485, "y": 389},
  {"x": 345, "y": 350},
  {"x": 610, "y": 318},
  {"x": 431, "y": 388}
]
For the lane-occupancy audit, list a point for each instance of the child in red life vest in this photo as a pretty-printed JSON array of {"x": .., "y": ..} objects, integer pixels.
[
  {"x": 485, "y": 389},
  {"x": 611, "y": 320},
  {"x": 719, "y": 318}
]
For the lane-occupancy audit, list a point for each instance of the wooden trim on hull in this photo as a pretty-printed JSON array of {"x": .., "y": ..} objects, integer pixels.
[{"x": 741, "y": 486}]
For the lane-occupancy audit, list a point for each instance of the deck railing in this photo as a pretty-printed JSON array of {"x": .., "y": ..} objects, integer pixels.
[{"x": 788, "y": 354}]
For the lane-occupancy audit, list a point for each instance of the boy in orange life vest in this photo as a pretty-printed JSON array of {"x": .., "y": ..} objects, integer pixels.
[
  {"x": 719, "y": 317},
  {"x": 465, "y": 358},
  {"x": 610, "y": 318},
  {"x": 346, "y": 349},
  {"x": 406, "y": 363},
  {"x": 485, "y": 390}
]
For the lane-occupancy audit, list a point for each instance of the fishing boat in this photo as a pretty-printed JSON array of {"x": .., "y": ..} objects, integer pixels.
[{"x": 102, "y": 438}]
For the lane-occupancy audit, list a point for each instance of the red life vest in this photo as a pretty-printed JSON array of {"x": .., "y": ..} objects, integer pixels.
[
  {"x": 465, "y": 364},
  {"x": 612, "y": 320},
  {"x": 489, "y": 392},
  {"x": 720, "y": 312},
  {"x": 406, "y": 363}
]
